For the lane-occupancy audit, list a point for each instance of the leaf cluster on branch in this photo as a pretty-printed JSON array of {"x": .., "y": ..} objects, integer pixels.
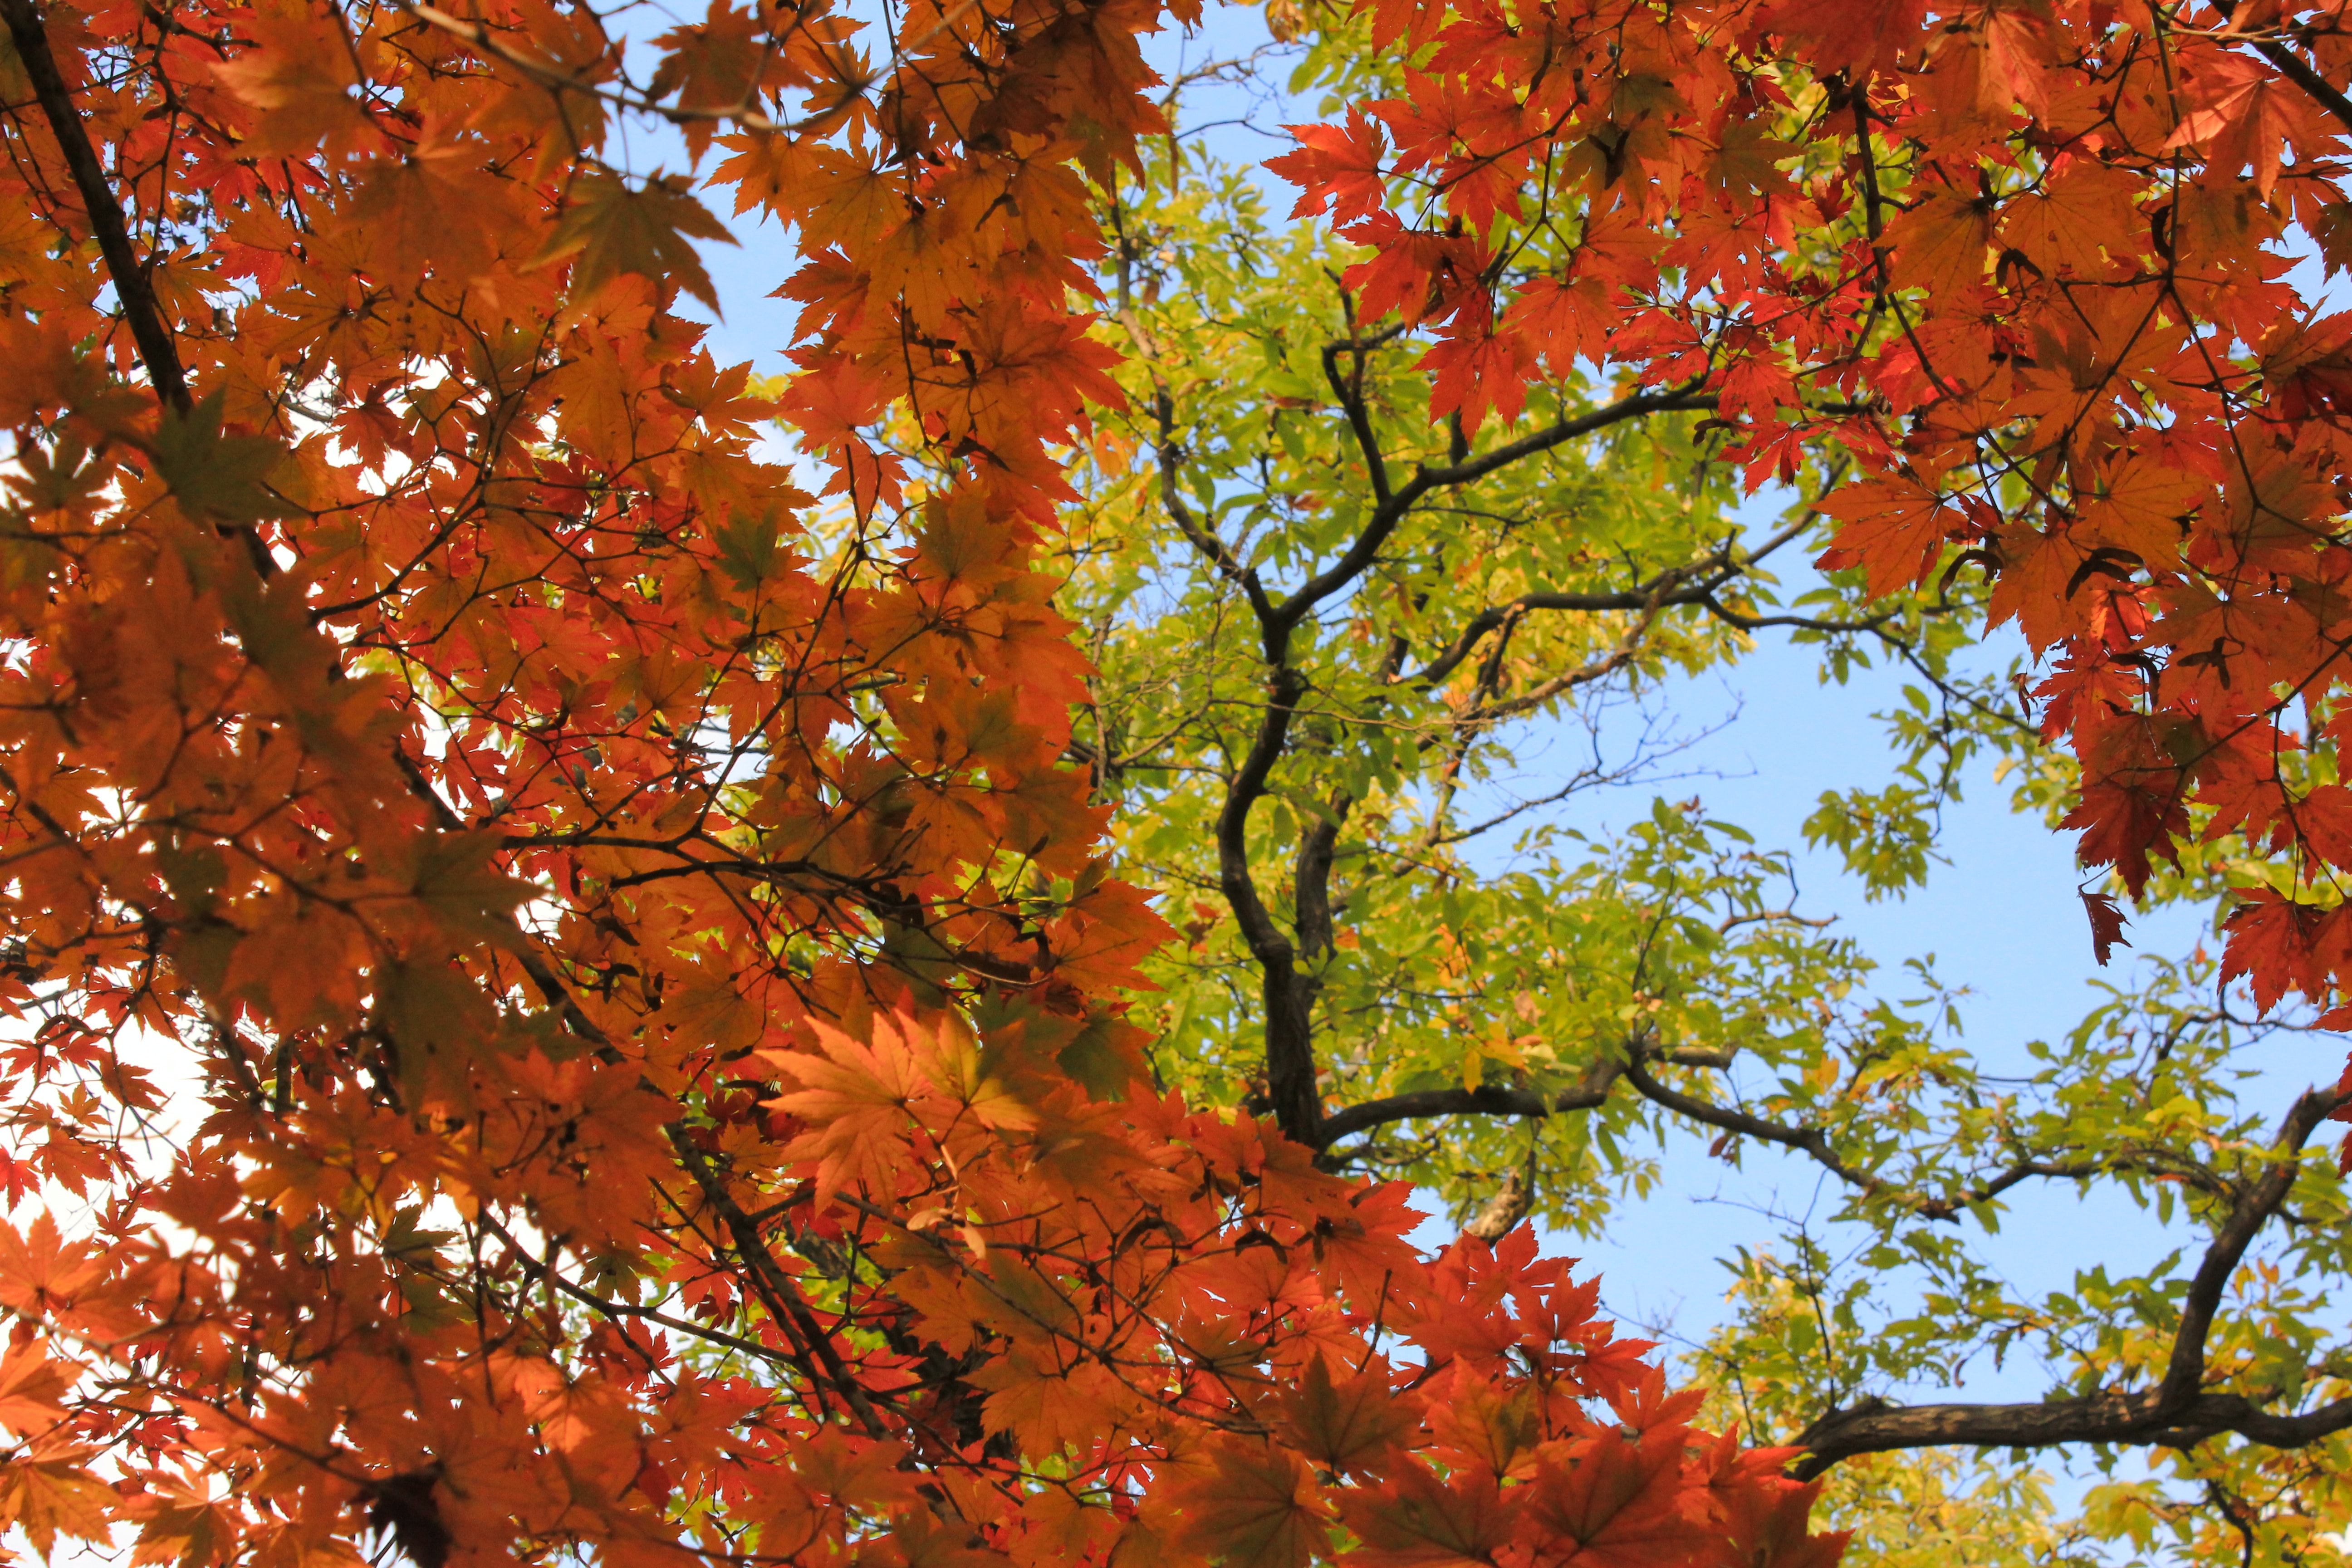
[
  {"x": 568, "y": 979},
  {"x": 1412, "y": 493},
  {"x": 580, "y": 987}
]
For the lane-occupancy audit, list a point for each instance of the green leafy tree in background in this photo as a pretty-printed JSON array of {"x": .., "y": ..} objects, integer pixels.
[{"x": 1354, "y": 669}]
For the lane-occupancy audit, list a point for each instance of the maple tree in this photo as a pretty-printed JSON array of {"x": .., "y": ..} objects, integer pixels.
[
  {"x": 1399, "y": 491},
  {"x": 569, "y": 1003},
  {"x": 648, "y": 965}
]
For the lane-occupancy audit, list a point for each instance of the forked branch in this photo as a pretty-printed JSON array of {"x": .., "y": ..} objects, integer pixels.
[{"x": 2178, "y": 1412}]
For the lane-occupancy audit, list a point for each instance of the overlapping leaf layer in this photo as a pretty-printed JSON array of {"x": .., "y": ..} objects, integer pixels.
[
  {"x": 567, "y": 996},
  {"x": 2024, "y": 265}
]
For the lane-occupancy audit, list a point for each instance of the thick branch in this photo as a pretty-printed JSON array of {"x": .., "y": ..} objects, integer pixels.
[
  {"x": 2133, "y": 1418},
  {"x": 2175, "y": 1414},
  {"x": 1318, "y": 850},
  {"x": 132, "y": 286},
  {"x": 1350, "y": 391},
  {"x": 1289, "y": 1055},
  {"x": 2247, "y": 1216},
  {"x": 1486, "y": 1099}
]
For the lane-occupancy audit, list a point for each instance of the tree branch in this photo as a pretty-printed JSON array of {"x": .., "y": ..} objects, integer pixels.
[
  {"x": 133, "y": 286},
  {"x": 1494, "y": 1099},
  {"x": 1289, "y": 1005},
  {"x": 1806, "y": 1140},
  {"x": 1873, "y": 1427},
  {"x": 775, "y": 1288},
  {"x": 2175, "y": 1414},
  {"x": 1350, "y": 391},
  {"x": 1169, "y": 452},
  {"x": 1665, "y": 589},
  {"x": 2293, "y": 67},
  {"x": 1393, "y": 508}
]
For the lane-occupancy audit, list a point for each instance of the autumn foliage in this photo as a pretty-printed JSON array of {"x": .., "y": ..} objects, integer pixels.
[
  {"x": 564, "y": 994},
  {"x": 647, "y": 972},
  {"x": 2025, "y": 268}
]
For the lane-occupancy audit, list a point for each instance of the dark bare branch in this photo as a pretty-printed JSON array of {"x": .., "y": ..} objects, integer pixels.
[
  {"x": 2297, "y": 70},
  {"x": 133, "y": 286},
  {"x": 1288, "y": 999},
  {"x": 2178, "y": 1412},
  {"x": 2139, "y": 1419},
  {"x": 1692, "y": 583},
  {"x": 1486, "y": 1099},
  {"x": 1494, "y": 1099},
  {"x": 1810, "y": 1141},
  {"x": 1349, "y": 388}
]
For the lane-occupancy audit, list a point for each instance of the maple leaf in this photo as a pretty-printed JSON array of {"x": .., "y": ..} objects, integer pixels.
[
  {"x": 1943, "y": 244},
  {"x": 2276, "y": 943},
  {"x": 215, "y": 476},
  {"x": 1768, "y": 1527},
  {"x": 2145, "y": 507},
  {"x": 2248, "y": 117},
  {"x": 1853, "y": 34},
  {"x": 611, "y": 228},
  {"x": 1337, "y": 169},
  {"x": 49, "y": 1497},
  {"x": 299, "y": 73},
  {"x": 41, "y": 1272},
  {"x": 715, "y": 64},
  {"x": 2107, "y": 925},
  {"x": 33, "y": 1388},
  {"x": 852, "y": 203},
  {"x": 1052, "y": 1409},
  {"x": 1563, "y": 320},
  {"x": 1350, "y": 1426},
  {"x": 2081, "y": 222},
  {"x": 858, "y": 1099},
  {"x": 456, "y": 876},
  {"x": 2041, "y": 583},
  {"x": 1253, "y": 1507},
  {"x": 1748, "y": 158},
  {"x": 1617, "y": 1500},
  {"x": 1417, "y": 1520},
  {"x": 16, "y": 1178},
  {"x": 1493, "y": 1428},
  {"x": 1892, "y": 526},
  {"x": 181, "y": 1528}
]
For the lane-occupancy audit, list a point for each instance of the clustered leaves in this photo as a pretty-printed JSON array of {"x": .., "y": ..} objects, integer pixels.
[
  {"x": 1339, "y": 641},
  {"x": 2011, "y": 262},
  {"x": 567, "y": 981}
]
